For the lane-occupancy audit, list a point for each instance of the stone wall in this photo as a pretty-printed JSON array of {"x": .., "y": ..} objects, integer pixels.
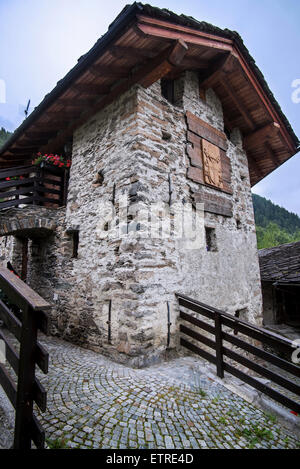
[{"x": 135, "y": 147}]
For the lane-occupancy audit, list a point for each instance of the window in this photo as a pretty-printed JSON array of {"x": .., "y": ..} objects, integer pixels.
[
  {"x": 75, "y": 236},
  {"x": 211, "y": 241}
]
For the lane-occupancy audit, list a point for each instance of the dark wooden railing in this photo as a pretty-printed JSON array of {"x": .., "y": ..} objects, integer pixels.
[
  {"x": 23, "y": 312},
  {"x": 218, "y": 328},
  {"x": 33, "y": 185}
]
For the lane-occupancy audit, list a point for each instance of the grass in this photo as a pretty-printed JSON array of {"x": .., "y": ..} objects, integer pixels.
[
  {"x": 271, "y": 418},
  {"x": 58, "y": 443},
  {"x": 201, "y": 392},
  {"x": 255, "y": 435}
]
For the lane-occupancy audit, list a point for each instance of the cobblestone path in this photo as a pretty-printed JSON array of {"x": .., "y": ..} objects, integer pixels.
[{"x": 96, "y": 403}]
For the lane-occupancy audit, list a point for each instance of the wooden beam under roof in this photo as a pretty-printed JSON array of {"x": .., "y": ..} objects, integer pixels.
[
  {"x": 271, "y": 154},
  {"x": 194, "y": 63},
  {"x": 145, "y": 72},
  {"x": 23, "y": 149},
  {"x": 163, "y": 64},
  {"x": 219, "y": 67},
  {"x": 237, "y": 102},
  {"x": 41, "y": 135},
  {"x": 254, "y": 166},
  {"x": 75, "y": 102},
  {"x": 255, "y": 138},
  {"x": 35, "y": 142},
  {"x": 112, "y": 72},
  {"x": 142, "y": 53},
  {"x": 9, "y": 163},
  {"x": 91, "y": 88}
]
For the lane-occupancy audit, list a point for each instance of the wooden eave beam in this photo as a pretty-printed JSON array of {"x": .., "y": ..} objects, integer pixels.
[
  {"x": 155, "y": 28},
  {"x": 23, "y": 149},
  {"x": 91, "y": 89},
  {"x": 145, "y": 72},
  {"x": 261, "y": 135},
  {"x": 238, "y": 104},
  {"x": 253, "y": 164},
  {"x": 216, "y": 71},
  {"x": 110, "y": 72},
  {"x": 34, "y": 142},
  {"x": 75, "y": 102},
  {"x": 163, "y": 64},
  {"x": 9, "y": 164},
  {"x": 163, "y": 29},
  {"x": 39, "y": 135},
  {"x": 193, "y": 63},
  {"x": 271, "y": 154},
  {"x": 132, "y": 52}
]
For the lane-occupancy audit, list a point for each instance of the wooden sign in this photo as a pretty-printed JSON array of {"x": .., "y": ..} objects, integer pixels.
[
  {"x": 209, "y": 164},
  {"x": 212, "y": 164}
]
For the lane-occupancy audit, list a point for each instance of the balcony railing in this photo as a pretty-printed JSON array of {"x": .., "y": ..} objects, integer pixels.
[{"x": 33, "y": 185}]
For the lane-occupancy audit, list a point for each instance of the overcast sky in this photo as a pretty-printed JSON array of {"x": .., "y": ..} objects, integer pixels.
[{"x": 40, "y": 40}]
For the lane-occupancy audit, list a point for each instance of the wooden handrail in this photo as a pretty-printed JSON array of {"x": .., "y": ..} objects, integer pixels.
[
  {"x": 241, "y": 349},
  {"x": 21, "y": 293},
  {"x": 232, "y": 319},
  {"x": 31, "y": 311}
]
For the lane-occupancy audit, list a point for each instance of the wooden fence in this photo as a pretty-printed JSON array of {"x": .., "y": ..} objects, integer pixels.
[
  {"x": 25, "y": 185},
  {"x": 24, "y": 313},
  {"x": 242, "y": 350}
]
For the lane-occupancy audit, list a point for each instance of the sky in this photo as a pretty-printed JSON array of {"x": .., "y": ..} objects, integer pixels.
[{"x": 41, "y": 40}]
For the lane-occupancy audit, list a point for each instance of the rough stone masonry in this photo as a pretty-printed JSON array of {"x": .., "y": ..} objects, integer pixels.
[{"x": 112, "y": 296}]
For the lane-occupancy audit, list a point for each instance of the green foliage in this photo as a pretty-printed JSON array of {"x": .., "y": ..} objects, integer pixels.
[
  {"x": 4, "y": 135},
  {"x": 274, "y": 224},
  {"x": 58, "y": 443}
]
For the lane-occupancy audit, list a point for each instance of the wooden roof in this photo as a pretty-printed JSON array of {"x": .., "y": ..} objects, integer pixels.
[
  {"x": 280, "y": 264},
  {"x": 142, "y": 45}
]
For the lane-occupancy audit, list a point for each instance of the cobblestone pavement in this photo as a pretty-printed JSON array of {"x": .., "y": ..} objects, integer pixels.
[{"x": 96, "y": 403}]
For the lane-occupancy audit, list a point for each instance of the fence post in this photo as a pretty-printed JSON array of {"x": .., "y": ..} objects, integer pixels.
[
  {"x": 219, "y": 345},
  {"x": 26, "y": 378}
]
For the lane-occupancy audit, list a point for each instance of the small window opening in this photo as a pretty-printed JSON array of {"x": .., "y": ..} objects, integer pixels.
[
  {"x": 227, "y": 133},
  {"x": 238, "y": 224},
  {"x": 211, "y": 240},
  {"x": 168, "y": 90},
  {"x": 75, "y": 236}
]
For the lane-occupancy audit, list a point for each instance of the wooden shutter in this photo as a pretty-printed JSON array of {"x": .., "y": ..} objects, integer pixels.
[{"x": 209, "y": 163}]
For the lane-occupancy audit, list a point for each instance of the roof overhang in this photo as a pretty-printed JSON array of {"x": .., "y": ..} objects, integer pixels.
[{"x": 143, "y": 45}]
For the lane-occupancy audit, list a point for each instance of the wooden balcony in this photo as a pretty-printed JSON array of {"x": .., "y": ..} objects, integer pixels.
[{"x": 33, "y": 185}]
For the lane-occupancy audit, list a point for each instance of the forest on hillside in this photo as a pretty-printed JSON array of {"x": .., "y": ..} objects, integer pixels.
[
  {"x": 274, "y": 225},
  {"x": 4, "y": 135}
]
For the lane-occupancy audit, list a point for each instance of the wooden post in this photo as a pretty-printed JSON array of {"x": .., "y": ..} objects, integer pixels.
[
  {"x": 219, "y": 345},
  {"x": 26, "y": 379}
]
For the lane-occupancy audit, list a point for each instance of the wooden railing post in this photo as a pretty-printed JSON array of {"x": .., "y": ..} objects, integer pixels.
[
  {"x": 219, "y": 345},
  {"x": 26, "y": 379},
  {"x": 31, "y": 312}
]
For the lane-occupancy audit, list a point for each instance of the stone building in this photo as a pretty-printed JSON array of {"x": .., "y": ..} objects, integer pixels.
[
  {"x": 164, "y": 114},
  {"x": 280, "y": 280}
]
